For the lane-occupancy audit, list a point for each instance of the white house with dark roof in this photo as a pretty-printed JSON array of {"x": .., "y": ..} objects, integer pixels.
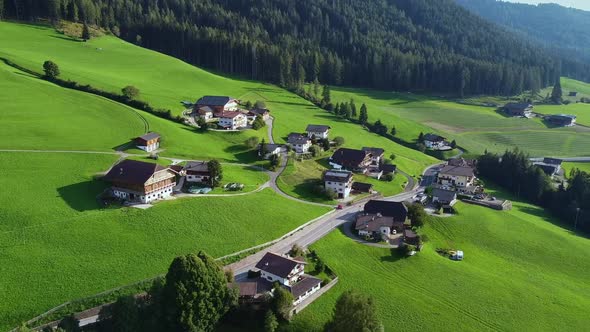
[
  {"x": 299, "y": 142},
  {"x": 148, "y": 142},
  {"x": 376, "y": 155},
  {"x": 218, "y": 104},
  {"x": 340, "y": 182},
  {"x": 318, "y": 131},
  {"x": 434, "y": 142},
  {"x": 289, "y": 273},
  {"x": 444, "y": 197},
  {"x": 197, "y": 171},
  {"x": 456, "y": 176},
  {"x": 233, "y": 120}
]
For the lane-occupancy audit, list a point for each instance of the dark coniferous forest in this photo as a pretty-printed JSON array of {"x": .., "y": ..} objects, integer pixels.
[
  {"x": 564, "y": 31},
  {"x": 419, "y": 45}
]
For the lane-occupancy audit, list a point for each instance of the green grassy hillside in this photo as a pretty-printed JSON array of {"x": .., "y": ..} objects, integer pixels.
[
  {"x": 475, "y": 128},
  {"x": 520, "y": 272},
  {"x": 57, "y": 245},
  {"x": 110, "y": 63}
]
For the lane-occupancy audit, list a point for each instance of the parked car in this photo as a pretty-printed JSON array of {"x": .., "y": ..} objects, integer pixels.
[
  {"x": 233, "y": 186},
  {"x": 199, "y": 190},
  {"x": 456, "y": 255},
  {"x": 339, "y": 207}
]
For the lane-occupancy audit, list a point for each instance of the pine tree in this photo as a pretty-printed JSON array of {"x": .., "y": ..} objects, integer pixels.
[
  {"x": 85, "y": 32},
  {"x": 326, "y": 98},
  {"x": 353, "y": 111},
  {"x": 215, "y": 173},
  {"x": 421, "y": 137},
  {"x": 557, "y": 93},
  {"x": 364, "y": 116},
  {"x": 393, "y": 131}
]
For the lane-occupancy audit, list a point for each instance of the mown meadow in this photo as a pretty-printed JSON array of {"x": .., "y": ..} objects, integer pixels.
[
  {"x": 58, "y": 244},
  {"x": 520, "y": 272},
  {"x": 475, "y": 128}
]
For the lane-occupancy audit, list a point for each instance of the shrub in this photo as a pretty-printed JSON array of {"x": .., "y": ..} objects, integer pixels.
[
  {"x": 51, "y": 69},
  {"x": 421, "y": 147},
  {"x": 315, "y": 151},
  {"x": 339, "y": 141},
  {"x": 252, "y": 142},
  {"x": 388, "y": 177},
  {"x": 130, "y": 92}
]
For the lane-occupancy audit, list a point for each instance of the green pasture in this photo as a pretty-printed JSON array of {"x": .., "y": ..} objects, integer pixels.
[
  {"x": 568, "y": 166},
  {"x": 520, "y": 272},
  {"x": 58, "y": 245}
]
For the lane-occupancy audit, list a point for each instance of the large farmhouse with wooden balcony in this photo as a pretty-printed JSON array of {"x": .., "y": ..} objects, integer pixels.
[
  {"x": 233, "y": 120},
  {"x": 148, "y": 142},
  {"x": 217, "y": 104},
  {"x": 138, "y": 181},
  {"x": 357, "y": 161}
]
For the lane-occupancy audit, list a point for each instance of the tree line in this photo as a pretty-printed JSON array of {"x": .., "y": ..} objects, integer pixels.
[
  {"x": 421, "y": 45},
  {"x": 514, "y": 172}
]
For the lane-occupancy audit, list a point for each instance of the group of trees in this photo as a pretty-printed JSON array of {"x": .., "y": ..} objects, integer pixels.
[
  {"x": 193, "y": 297},
  {"x": 516, "y": 173},
  {"x": 426, "y": 45}
]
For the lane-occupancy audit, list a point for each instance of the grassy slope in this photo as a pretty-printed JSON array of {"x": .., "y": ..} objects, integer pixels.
[
  {"x": 110, "y": 63},
  {"x": 475, "y": 128},
  {"x": 64, "y": 247},
  {"x": 567, "y": 166},
  {"x": 520, "y": 273}
]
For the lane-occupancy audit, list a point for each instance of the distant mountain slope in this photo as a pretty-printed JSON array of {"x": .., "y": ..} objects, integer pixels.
[
  {"x": 563, "y": 30},
  {"x": 431, "y": 45}
]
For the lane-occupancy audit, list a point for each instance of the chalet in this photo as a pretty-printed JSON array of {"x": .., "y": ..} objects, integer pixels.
[
  {"x": 434, "y": 142},
  {"x": 377, "y": 226},
  {"x": 361, "y": 187},
  {"x": 352, "y": 160},
  {"x": 551, "y": 166},
  {"x": 233, "y": 120},
  {"x": 299, "y": 142},
  {"x": 218, "y": 104},
  {"x": 205, "y": 113},
  {"x": 263, "y": 112},
  {"x": 289, "y": 273},
  {"x": 397, "y": 210},
  {"x": 138, "y": 181},
  {"x": 444, "y": 197},
  {"x": 561, "y": 120},
  {"x": 318, "y": 131},
  {"x": 340, "y": 182},
  {"x": 269, "y": 149},
  {"x": 456, "y": 176},
  {"x": 148, "y": 142},
  {"x": 376, "y": 155},
  {"x": 197, "y": 171},
  {"x": 519, "y": 109}
]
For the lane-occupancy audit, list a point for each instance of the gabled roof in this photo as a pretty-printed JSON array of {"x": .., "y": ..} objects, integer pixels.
[
  {"x": 271, "y": 147},
  {"x": 433, "y": 138},
  {"x": 133, "y": 172},
  {"x": 305, "y": 284},
  {"x": 518, "y": 106},
  {"x": 362, "y": 187},
  {"x": 548, "y": 169},
  {"x": 397, "y": 210},
  {"x": 230, "y": 115},
  {"x": 372, "y": 223},
  {"x": 376, "y": 152},
  {"x": 248, "y": 289},
  {"x": 296, "y": 138},
  {"x": 317, "y": 128},
  {"x": 387, "y": 168},
  {"x": 337, "y": 176},
  {"x": 197, "y": 166},
  {"x": 259, "y": 111},
  {"x": 276, "y": 264},
  {"x": 214, "y": 100},
  {"x": 148, "y": 137},
  {"x": 204, "y": 110},
  {"x": 349, "y": 158},
  {"x": 462, "y": 162},
  {"x": 444, "y": 195},
  {"x": 457, "y": 170},
  {"x": 552, "y": 161}
]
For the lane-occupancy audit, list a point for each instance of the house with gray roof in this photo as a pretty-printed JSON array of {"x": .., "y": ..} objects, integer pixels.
[
  {"x": 524, "y": 110},
  {"x": 318, "y": 131},
  {"x": 148, "y": 142},
  {"x": 218, "y": 104},
  {"x": 299, "y": 143},
  {"x": 456, "y": 176},
  {"x": 444, "y": 197}
]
